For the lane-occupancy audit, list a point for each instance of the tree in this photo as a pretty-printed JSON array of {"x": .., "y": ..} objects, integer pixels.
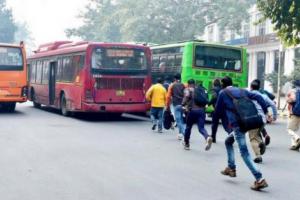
[
  {"x": 7, "y": 25},
  {"x": 285, "y": 15},
  {"x": 157, "y": 21}
]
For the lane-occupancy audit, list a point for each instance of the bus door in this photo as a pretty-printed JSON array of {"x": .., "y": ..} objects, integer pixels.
[{"x": 52, "y": 80}]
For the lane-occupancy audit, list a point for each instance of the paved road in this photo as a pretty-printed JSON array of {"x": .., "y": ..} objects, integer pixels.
[{"x": 45, "y": 156}]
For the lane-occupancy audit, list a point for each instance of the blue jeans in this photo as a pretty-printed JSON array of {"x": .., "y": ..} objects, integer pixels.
[
  {"x": 241, "y": 140},
  {"x": 195, "y": 116},
  {"x": 178, "y": 112},
  {"x": 157, "y": 116}
]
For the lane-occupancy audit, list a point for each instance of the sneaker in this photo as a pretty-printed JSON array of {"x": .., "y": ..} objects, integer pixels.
[
  {"x": 179, "y": 136},
  {"x": 159, "y": 131},
  {"x": 153, "y": 127},
  {"x": 294, "y": 148},
  {"x": 258, "y": 160},
  {"x": 229, "y": 172},
  {"x": 214, "y": 140},
  {"x": 297, "y": 146},
  {"x": 258, "y": 185},
  {"x": 208, "y": 143},
  {"x": 267, "y": 140},
  {"x": 262, "y": 148},
  {"x": 186, "y": 146}
]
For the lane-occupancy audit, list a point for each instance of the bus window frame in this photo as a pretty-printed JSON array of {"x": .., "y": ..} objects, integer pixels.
[
  {"x": 222, "y": 70},
  {"x": 21, "y": 67}
]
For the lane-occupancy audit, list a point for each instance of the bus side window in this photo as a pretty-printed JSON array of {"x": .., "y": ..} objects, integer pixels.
[
  {"x": 178, "y": 62},
  {"x": 59, "y": 70},
  {"x": 45, "y": 79},
  {"x": 33, "y": 72},
  {"x": 155, "y": 63},
  {"x": 39, "y": 68},
  {"x": 171, "y": 63}
]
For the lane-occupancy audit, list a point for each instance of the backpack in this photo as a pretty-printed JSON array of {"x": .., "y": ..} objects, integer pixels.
[
  {"x": 200, "y": 96},
  {"x": 246, "y": 112},
  {"x": 296, "y": 106},
  {"x": 168, "y": 119}
]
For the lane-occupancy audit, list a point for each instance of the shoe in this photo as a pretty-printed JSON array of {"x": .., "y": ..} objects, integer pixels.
[
  {"x": 229, "y": 172},
  {"x": 267, "y": 140},
  {"x": 262, "y": 148},
  {"x": 208, "y": 143},
  {"x": 153, "y": 127},
  {"x": 294, "y": 148},
  {"x": 214, "y": 140},
  {"x": 186, "y": 146},
  {"x": 179, "y": 136},
  {"x": 258, "y": 185},
  {"x": 159, "y": 131},
  {"x": 258, "y": 160},
  {"x": 297, "y": 146}
]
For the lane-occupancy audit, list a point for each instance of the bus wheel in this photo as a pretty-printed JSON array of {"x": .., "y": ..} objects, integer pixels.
[
  {"x": 63, "y": 106},
  {"x": 33, "y": 98},
  {"x": 10, "y": 107}
]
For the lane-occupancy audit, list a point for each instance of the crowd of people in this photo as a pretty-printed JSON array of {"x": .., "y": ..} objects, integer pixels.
[{"x": 241, "y": 111}]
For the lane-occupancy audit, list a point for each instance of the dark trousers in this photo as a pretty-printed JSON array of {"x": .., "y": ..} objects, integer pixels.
[
  {"x": 214, "y": 126},
  {"x": 195, "y": 116},
  {"x": 157, "y": 116}
]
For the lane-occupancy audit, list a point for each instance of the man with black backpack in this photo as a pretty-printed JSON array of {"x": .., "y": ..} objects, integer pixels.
[
  {"x": 194, "y": 102},
  {"x": 235, "y": 106},
  {"x": 293, "y": 99}
]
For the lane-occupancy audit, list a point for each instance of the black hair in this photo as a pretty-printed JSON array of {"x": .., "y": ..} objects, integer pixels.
[
  {"x": 255, "y": 84},
  {"x": 159, "y": 80},
  {"x": 191, "y": 82},
  {"x": 177, "y": 77},
  {"x": 226, "y": 81},
  {"x": 217, "y": 83}
]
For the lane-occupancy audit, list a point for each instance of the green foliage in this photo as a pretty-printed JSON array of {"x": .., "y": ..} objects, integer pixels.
[
  {"x": 7, "y": 25},
  {"x": 285, "y": 15},
  {"x": 273, "y": 79},
  {"x": 157, "y": 21}
]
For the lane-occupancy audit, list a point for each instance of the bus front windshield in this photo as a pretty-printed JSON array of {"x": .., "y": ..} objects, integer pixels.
[
  {"x": 11, "y": 58},
  {"x": 120, "y": 59},
  {"x": 218, "y": 58}
]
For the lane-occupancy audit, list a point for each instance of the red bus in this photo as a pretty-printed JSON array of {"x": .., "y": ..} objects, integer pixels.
[{"x": 90, "y": 77}]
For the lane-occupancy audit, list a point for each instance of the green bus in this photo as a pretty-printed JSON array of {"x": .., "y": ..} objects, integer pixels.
[{"x": 201, "y": 61}]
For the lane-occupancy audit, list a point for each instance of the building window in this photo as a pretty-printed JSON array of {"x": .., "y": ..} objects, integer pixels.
[
  {"x": 276, "y": 61},
  {"x": 246, "y": 30},
  {"x": 261, "y": 67},
  {"x": 261, "y": 27},
  {"x": 210, "y": 30}
]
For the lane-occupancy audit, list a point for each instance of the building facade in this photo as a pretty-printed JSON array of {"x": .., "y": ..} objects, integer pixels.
[{"x": 262, "y": 44}]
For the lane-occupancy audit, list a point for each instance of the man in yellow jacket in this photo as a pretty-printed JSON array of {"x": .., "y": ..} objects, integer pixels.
[{"x": 157, "y": 95}]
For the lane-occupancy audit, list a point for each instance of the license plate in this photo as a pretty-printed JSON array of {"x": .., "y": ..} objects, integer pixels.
[{"x": 120, "y": 93}]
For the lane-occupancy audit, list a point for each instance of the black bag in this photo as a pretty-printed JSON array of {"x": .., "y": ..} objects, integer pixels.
[
  {"x": 246, "y": 112},
  {"x": 168, "y": 119},
  {"x": 200, "y": 96},
  {"x": 296, "y": 106}
]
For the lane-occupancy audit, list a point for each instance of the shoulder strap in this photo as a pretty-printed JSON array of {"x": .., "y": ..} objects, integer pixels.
[{"x": 229, "y": 94}]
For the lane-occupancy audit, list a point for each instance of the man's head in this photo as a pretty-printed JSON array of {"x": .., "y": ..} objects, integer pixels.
[
  {"x": 159, "y": 80},
  {"x": 296, "y": 83},
  {"x": 255, "y": 84},
  {"x": 177, "y": 77},
  {"x": 226, "y": 81},
  {"x": 191, "y": 83},
  {"x": 217, "y": 83}
]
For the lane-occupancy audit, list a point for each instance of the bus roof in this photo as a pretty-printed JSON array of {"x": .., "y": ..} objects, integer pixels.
[
  {"x": 183, "y": 43},
  {"x": 65, "y": 47}
]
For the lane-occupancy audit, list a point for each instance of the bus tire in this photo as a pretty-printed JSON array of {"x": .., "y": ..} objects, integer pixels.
[
  {"x": 33, "y": 99},
  {"x": 10, "y": 107},
  {"x": 63, "y": 106}
]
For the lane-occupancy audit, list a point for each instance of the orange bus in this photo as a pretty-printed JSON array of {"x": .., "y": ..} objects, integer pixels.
[{"x": 13, "y": 76}]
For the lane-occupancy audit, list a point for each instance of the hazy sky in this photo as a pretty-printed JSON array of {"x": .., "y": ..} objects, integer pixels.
[{"x": 47, "y": 19}]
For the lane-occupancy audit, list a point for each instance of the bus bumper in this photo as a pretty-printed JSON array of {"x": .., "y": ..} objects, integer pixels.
[
  {"x": 11, "y": 99},
  {"x": 115, "y": 108}
]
